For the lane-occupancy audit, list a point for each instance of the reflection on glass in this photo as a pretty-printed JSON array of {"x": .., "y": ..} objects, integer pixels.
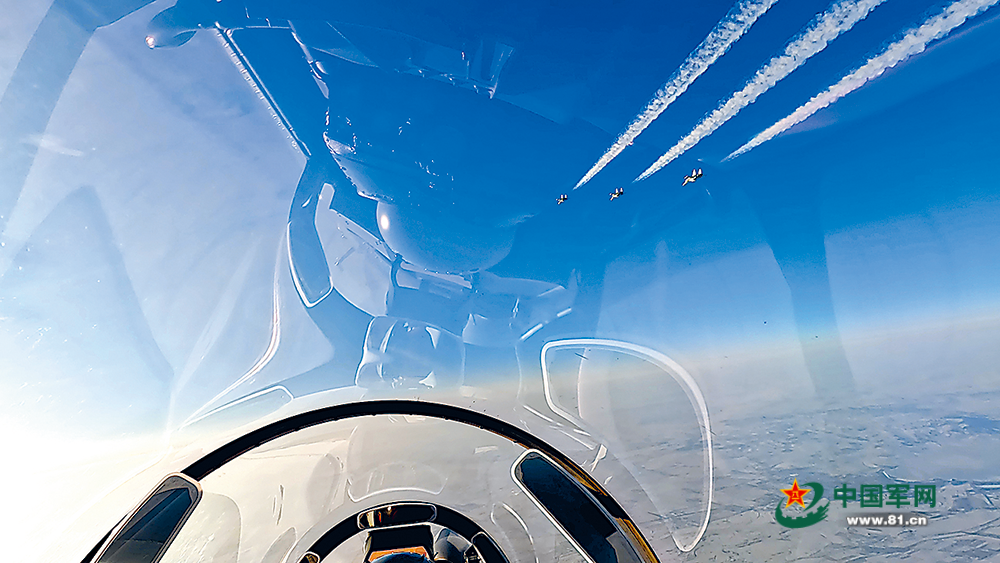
[
  {"x": 241, "y": 411},
  {"x": 149, "y": 530},
  {"x": 650, "y": 413},
  {"x": 212, "y": 535},
  {"x": 396, "y": 514},
  {"x": 575, "y": 512}
]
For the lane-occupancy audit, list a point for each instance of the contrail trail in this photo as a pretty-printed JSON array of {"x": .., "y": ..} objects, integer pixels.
[
  {"x": 726, "y": 32},
  {"x": 841, "y": 17},
  {"x": 914, "y": 42}
]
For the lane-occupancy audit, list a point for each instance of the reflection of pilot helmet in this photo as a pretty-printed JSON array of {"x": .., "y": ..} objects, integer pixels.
[
  {"x": 460, "y": 128},
  {"x": 431, "y": 138}
]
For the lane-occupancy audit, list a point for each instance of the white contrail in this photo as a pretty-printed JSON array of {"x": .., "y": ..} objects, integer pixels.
[
  {"x": 841, "y": 17},
  {"x": 914, "y": 42},
  {"x": 726, "y": 32}
]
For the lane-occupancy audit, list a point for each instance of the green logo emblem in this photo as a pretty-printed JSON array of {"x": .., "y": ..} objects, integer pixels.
[{"x": 811, "y": 514}]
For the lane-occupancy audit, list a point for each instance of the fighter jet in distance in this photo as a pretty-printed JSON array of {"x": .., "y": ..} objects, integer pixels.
[
  {"x": 617, "y": 193},
  {"x": 694, "y": 175},
  {"x": 561, "y": 199}
]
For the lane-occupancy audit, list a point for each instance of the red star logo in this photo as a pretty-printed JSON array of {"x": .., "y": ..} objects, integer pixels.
[{"x": 795, "y": 494}]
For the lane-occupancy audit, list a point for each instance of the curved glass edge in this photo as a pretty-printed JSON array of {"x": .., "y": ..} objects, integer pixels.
[
  {"x": 153, "y": 524},
  {"x": 681, "y": 376},
  {"x": 207, "y": 464},
  {"x": 188, "y": 453},
  {"x": 406, "y": 513},
  {"x": 379, "y": 538},
  {"x": 488, "y": 549},
  {"x": 621, "y": 524},
  {"x": 243, "y": 410},
  {"x": 252, "y": 412}
]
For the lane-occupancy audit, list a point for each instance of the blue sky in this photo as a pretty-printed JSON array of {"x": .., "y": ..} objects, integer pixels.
[
  {"x": 890, "y": 189},
  {"x": 144, "y": 269}
]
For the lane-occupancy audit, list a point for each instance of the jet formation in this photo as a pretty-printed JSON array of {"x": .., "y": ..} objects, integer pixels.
[{"x": 690, "y": 178}]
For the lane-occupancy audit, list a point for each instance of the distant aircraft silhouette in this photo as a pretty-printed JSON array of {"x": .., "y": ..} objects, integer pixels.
[
  {"x": 617, "y": 193},
  {"x": 694, "y": 175},
  {"x": 561, "y": 199}
]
